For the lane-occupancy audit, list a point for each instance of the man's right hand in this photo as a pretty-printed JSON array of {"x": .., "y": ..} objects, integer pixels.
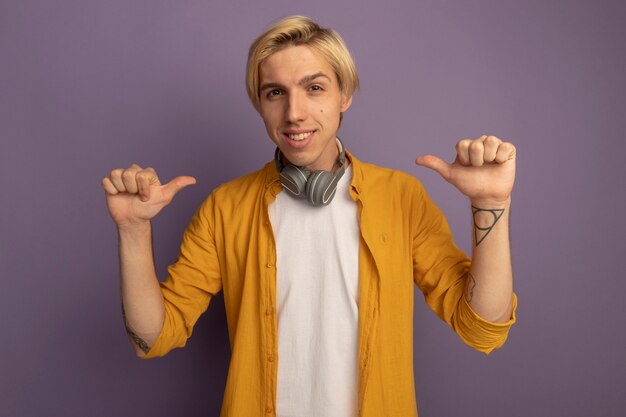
[{"x": 135, "y": 195}]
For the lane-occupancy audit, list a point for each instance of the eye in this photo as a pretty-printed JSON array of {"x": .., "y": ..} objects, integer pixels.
[
  {"x": 316, "y": 88},
  {"x": 274, "y": 93}
]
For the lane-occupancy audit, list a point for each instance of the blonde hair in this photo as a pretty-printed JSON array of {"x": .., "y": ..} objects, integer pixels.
[{"x": 296, "y": 31}]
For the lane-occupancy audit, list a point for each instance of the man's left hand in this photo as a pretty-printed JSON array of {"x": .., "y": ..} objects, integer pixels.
[{"x": 484, "y": 169}]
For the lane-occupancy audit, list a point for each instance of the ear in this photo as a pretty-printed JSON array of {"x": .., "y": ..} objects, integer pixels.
[{"x": 346, "y": 101}]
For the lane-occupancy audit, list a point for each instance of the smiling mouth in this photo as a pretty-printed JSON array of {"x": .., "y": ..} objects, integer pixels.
[{"x": 300, "y": 136}]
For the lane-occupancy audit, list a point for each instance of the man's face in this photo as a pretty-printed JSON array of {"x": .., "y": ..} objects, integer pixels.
[{"x": 300, "y": 103}]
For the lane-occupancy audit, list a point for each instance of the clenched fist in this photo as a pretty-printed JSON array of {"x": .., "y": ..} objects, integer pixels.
[
  {"x": 135, "y": 195},
  {"x": 484, "y": 169}
]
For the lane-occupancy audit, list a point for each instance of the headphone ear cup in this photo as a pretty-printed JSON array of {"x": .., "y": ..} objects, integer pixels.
[
  {"x": 294, "y": 180},
  {"x": 320, "y": 189}
]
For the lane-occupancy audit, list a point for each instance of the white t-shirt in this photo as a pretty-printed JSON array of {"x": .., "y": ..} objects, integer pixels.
[{"x": 317, "y": 298}]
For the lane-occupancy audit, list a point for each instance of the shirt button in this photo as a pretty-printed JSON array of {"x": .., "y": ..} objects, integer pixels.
[
  {"x": 269, "y": 265},
  {"x": 268, "y": 312},
  {"x": 268, "y": 409},
  {"x": 270, "y": 358}
]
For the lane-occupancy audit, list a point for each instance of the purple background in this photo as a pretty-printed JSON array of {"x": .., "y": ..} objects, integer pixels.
[{"x": 87, "y": 86}]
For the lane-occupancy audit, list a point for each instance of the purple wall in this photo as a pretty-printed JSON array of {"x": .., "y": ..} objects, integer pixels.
[{"x": 87, "y": 86}]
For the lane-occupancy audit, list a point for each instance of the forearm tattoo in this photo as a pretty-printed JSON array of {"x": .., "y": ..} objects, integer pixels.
[
  {"x": 484, "y": 224},
  {"x": 138, "y": 340},
  {"x": 470, "y": 287}
]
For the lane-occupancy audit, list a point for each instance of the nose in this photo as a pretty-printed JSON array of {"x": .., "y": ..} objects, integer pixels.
[{"x": 296, "y": 108}]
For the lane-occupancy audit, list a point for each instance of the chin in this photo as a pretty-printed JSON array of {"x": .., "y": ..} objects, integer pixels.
[{"x": 298, "y": 160}]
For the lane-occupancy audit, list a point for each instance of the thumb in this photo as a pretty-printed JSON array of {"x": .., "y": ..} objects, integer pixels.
[
  {"x": 434, "y": 163},
  {"x": 174, "y": 186}
]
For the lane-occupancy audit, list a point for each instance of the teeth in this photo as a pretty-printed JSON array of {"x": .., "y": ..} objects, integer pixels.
[{"x": 300, "y": 136}]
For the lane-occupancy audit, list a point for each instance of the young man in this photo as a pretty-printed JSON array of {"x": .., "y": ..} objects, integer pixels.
[{"x": 318, "y": 280}]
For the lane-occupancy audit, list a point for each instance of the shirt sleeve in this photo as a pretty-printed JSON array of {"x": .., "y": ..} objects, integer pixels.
[
  {"x": 441, "y": 270},
  {"x": 191, "y": 282}
]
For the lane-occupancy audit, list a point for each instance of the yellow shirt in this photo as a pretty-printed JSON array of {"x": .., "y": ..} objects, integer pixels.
[{"x": 229, "y": 246}]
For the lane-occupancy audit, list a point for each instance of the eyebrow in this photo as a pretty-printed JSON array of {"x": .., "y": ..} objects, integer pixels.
[{"x": 304, "y": 80}]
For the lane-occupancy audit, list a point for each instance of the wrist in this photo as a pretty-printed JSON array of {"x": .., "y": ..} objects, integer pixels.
[
  {"x": 131, "y": 229},
  {"x": 490, "y": 203}
]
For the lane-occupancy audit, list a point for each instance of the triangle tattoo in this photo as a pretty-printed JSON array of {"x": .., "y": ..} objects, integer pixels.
[{"x": 481, "y": 232}]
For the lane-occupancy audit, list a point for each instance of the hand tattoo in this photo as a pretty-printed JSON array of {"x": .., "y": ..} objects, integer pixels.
[
  {"x": 138, "y": 340},
  {"x": 481, "y": 232}
]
